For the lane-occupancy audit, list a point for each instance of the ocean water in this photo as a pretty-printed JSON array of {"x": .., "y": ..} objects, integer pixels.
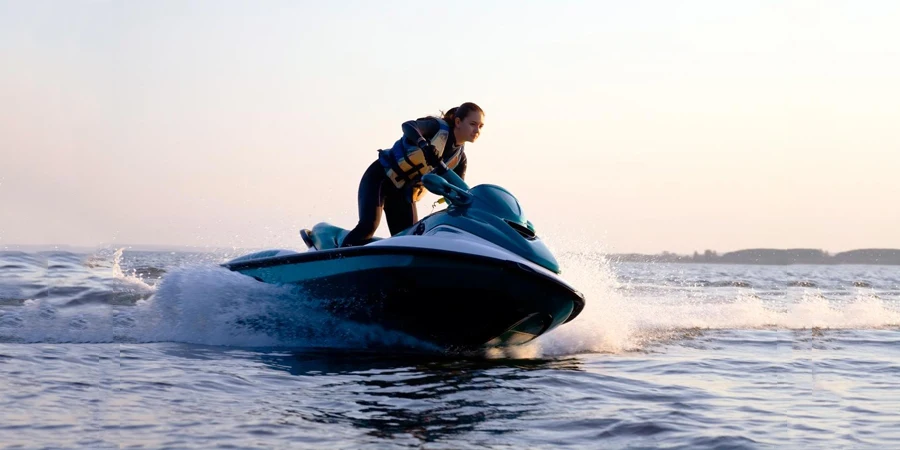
[{"x": 125, "y": 349}]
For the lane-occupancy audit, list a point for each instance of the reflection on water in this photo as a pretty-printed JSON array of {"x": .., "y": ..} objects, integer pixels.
[{"x": 426, "y": 396}]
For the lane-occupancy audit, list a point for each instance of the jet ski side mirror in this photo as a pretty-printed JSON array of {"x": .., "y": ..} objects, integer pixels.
[{"x": 439, "y": 186}]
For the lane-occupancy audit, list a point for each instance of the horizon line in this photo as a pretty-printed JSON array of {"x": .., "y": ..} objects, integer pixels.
[{"x": 177, "y": 247}]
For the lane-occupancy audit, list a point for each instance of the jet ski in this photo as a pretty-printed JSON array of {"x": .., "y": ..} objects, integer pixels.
[{"x": 473, "y": 275}]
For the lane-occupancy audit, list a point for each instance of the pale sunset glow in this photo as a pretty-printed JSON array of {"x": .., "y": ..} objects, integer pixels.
[{"x": 647, "y": 126}]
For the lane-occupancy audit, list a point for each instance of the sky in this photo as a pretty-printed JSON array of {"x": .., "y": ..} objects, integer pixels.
[{"x": 640, "y": 126}]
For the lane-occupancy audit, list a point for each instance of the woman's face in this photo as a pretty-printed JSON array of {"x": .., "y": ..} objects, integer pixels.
[{"x": 468, "y": 129}]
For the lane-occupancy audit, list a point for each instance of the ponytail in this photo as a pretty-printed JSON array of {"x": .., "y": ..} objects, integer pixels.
[{"x": 461, "y": 112}]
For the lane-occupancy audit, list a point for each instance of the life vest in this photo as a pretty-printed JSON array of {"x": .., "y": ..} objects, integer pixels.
[{"x": 405, "y": 163}]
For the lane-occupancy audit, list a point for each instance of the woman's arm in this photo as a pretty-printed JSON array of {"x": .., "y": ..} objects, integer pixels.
[
  {"x": 424, "y": 128},
  {"x": 460, "y": 168}
]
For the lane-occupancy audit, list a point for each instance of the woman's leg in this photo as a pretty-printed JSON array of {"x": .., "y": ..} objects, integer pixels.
[
  {"x": 401, "y": 212},
  {"x": 371, "y": 203}
]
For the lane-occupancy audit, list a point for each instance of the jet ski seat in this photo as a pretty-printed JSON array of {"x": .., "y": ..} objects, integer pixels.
[{"x": 325, "y": 236}]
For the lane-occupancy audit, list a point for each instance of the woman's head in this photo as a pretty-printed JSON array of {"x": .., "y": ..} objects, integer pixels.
[{"x": 466, "y": 121}]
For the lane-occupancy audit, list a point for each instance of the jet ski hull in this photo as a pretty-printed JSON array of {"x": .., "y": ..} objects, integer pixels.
[{"x": 452, "y": 299}]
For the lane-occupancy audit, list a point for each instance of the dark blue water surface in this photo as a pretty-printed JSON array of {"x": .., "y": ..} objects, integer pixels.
[{"x": 123, "y": 349}]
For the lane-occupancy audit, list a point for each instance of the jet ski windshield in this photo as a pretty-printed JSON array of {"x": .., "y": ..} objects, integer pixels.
[{"x": 501, "y": 203}]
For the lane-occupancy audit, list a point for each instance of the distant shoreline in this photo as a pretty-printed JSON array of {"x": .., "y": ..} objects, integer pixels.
[{"x": 769, "y": 256}]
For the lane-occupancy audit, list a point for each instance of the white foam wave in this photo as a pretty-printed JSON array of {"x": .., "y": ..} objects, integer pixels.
[
  {"x": 614, "y": 321},
  {"x": 133, "y": 279},
  {"x": 218, "y": 307},
  {"x": 201, "y": 305},
  {"x": 604, "y": 325}
]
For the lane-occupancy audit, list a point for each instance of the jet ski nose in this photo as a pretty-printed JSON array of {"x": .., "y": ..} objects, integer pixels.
[{"x": 524, "y": 330}]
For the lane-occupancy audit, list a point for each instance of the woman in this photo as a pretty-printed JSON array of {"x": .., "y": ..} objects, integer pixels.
[{"x": 393, "y": 182}]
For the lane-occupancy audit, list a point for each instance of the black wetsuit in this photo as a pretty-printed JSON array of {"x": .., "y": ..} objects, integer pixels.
[{"x": 377, "y": 192}]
